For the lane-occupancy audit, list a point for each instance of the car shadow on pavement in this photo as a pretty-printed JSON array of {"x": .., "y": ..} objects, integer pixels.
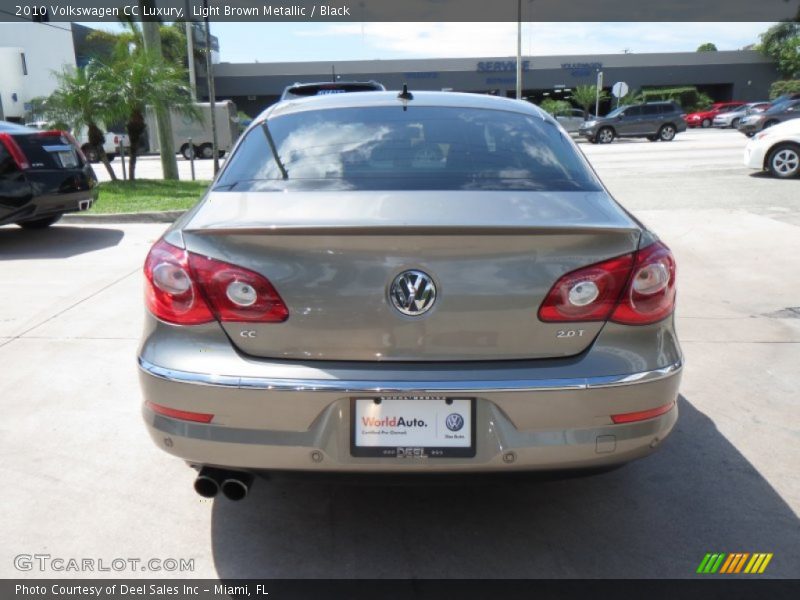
[
  {"x": 656, "y": 517},
  {"x": 60, "y": 241}
]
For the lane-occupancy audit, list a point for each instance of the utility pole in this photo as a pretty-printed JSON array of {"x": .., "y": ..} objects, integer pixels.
[
  {"x": 190, "y": 55},
  {"x": 519, "y": 49},
  {"x": 152, "y": 44},
  {"x": 598, "y": 90},
  {"x": 211, "y": 93}
]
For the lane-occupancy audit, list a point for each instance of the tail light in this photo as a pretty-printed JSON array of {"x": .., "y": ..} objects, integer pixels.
[
  {"x": 588, "y": 294},
  {"x": 634, "y": 289},
  {"x": 236, "y": 294},
  {"x": 650, "y": 293},
  {"x": 188, "y": 289},
  {"x": 170, "y": 293},
  {"x": 17, "y": 155}
]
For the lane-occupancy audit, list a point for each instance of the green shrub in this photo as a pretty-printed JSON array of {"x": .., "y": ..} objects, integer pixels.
[{"x": 789, "y": 86}]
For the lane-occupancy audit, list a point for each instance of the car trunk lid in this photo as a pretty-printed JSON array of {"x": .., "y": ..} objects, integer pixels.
[{"x": 333, "y": 256}]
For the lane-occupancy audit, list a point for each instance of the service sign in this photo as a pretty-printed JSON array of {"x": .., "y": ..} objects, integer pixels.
[{"x": 413, "y": 427}]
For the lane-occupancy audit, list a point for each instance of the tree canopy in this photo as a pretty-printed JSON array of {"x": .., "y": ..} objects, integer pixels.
[{"x": 781, "y": 42}]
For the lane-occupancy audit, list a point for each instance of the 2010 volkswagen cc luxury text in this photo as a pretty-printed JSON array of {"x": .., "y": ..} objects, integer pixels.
[{"x": 426, "y": 282}]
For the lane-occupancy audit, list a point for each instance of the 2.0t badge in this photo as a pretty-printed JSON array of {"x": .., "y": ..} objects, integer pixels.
[{"x": 413, "y": 293}]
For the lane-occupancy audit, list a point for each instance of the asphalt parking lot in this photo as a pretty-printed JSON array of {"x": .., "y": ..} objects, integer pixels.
[{"x": 83, "y": 480}]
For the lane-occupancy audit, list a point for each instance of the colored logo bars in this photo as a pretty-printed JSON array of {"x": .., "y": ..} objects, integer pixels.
[{"x": 737, "y": 562}]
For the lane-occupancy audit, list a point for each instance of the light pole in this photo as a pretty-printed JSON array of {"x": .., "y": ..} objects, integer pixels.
[
  {"x": 519, "y": 49},
  {"x": 190, "y": 55},
  {"x": 599, "y": 87},
  {"x": 211, "y": 94}
]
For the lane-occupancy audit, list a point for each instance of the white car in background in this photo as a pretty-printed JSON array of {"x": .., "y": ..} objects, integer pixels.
[
  {"x": 110, "y": 145},
  {"x": 776, "y": 149}
]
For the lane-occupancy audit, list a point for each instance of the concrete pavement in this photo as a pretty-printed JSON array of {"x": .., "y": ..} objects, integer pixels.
[{"x": 84, "y": 480}]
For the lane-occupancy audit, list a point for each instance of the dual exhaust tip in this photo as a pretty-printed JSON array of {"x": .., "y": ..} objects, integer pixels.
[{"x": 234, "y": 485}]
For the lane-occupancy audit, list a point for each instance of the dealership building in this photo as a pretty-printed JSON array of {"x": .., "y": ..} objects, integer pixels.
[{"x": 729, "y": 75}]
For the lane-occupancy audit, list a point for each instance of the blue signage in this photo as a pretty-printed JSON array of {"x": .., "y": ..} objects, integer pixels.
[
  {"x": 581, "y": 69},
  {"x": 501, "y": 66}
]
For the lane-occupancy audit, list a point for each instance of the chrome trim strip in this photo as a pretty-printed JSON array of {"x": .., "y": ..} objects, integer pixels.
[{"x": 367, "y": 386}]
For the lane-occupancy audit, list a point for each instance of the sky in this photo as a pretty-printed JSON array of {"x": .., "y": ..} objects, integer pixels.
[{"x": 288, "y": 42}]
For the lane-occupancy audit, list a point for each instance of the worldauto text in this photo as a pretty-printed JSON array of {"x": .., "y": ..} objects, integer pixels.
[{"x": 392, "y": 422}]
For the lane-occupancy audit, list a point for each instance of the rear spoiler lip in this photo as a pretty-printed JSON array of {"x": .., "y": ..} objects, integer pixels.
[{"x": 409, "y": 229}]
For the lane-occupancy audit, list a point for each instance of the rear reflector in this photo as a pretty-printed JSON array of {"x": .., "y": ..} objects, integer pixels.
[
  {"x": 642, "y": 415},
  {"x": 174, "y": 413}
]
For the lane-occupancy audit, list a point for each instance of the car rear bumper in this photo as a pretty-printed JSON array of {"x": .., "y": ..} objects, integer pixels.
[{"x": 267, "y": 423}]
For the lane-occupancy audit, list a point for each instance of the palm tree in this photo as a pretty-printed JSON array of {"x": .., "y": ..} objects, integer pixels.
[
  {"x": 140, "y": 79},
  {"x": 553, "y": 106},
  {"x": 585, "y": 96},
  {"x": 81, "y": 101}
]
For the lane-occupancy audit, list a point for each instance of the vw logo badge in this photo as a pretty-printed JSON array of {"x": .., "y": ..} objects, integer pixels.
[
  {"x": 454, "y": 422},
  {"x": 413, "y": 293}
]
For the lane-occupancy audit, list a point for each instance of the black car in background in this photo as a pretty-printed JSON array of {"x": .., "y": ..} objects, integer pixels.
[
  {"x": 652, "y": 120},
  {"x": 43, "y": 174}
]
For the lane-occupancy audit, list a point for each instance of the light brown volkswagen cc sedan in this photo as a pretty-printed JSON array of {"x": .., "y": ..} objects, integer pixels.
[{"x": 405, "y": 282}]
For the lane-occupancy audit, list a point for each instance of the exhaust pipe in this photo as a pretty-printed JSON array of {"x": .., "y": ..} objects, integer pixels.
[
  {"x": 207, "y": 482},
  {"x": 236, "y": 485}
]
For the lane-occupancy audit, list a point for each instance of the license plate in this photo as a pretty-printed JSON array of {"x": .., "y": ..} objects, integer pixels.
[
  {"x": 413, "y": 427},
  {"x": 68, "y": 159}
]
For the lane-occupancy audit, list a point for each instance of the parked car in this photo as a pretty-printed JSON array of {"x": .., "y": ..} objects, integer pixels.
[
  {"x": 43, "y": 174},
  {"x": 447, "y": 288},
  {"x": 571, "y": 119},
  {"x": 304, "y": 90},
  {"x": 110, "y": 144},
  {"x": 776, "y": 150},
  {"x": 777, "y": 113},
  {"x": 652, "y": 120},
  {"x": 704, "y": 118},
  {"x": 732, "y": 118}
]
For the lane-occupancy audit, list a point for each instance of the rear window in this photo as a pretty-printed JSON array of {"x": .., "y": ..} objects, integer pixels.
[
  {"x": 422, "y": 148},
  {"x": 48, "y": 151}
]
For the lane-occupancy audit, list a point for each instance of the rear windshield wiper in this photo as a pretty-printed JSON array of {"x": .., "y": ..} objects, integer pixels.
[{"x": 274, "y": 150}]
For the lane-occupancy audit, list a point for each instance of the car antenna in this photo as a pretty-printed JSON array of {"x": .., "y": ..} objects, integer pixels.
[{"x": 405, "y": 95}]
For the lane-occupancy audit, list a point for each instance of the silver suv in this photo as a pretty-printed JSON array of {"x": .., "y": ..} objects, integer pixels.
[{"x": 652, "y": 120}]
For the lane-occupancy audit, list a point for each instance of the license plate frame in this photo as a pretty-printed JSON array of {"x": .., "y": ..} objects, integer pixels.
[{"x": 432, "y": 450}]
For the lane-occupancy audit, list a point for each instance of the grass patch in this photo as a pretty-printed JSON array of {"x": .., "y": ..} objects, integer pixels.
[{"x": 147, "y": 195}]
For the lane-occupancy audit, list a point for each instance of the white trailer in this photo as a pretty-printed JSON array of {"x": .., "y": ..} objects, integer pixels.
[{"x": 185, "y": 127}]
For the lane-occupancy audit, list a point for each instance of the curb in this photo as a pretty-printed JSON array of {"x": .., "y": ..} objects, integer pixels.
[{"x": 164, "y": 216}]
